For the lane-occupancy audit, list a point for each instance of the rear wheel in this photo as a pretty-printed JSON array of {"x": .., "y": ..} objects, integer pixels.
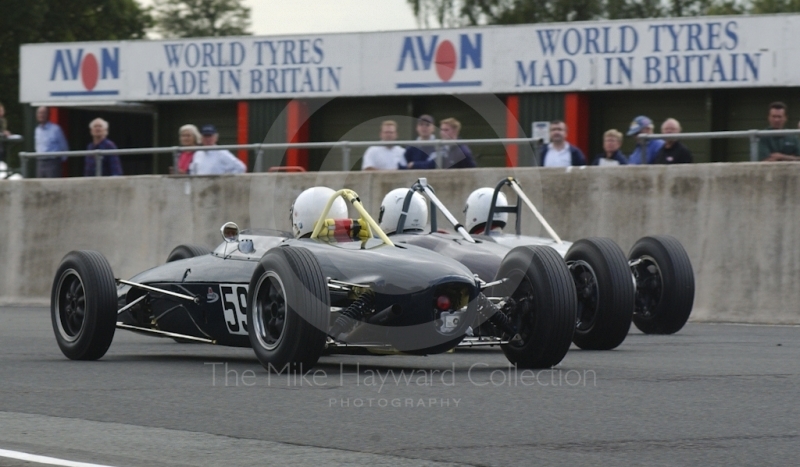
[
  {"x": 288, "y": 310},
  {"x": 540, "y": 284},
  {"x": 605, "y": 293},
  {"x": 187, "y": 251},
  {"x": 664, "y": 284},
  {"x": 83, "y": 305}
]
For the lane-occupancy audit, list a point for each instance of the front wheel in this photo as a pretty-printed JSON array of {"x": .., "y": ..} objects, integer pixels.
[
  {"x": 83, "y": 305},
  {"x": 605, "y": 293},
  {"x": 540, "y": 284},
  {"x": 664, "y": 284},
  {"x": 288, "y": 310}
]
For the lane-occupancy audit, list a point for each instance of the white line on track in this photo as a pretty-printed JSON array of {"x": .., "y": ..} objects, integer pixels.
[
  {"x": 24, "y": 456},
  {"x": 761, "y": 325}
]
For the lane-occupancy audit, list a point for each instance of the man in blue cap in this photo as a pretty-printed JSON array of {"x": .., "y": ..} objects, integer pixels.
[
  {"x": 214, "y": 161},
  {"x": 643, "y": 125}
]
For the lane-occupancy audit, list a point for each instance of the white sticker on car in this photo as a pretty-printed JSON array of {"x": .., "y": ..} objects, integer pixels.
[{"x": 234, "y": 307}]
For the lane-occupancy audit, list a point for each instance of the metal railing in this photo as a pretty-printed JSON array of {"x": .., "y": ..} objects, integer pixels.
[
  {"x": 344, "y": 146},
  {"x": 752, "y": 135}
]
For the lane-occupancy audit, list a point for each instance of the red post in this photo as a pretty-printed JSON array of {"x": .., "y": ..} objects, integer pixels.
[
  {"x": 576, "y": 116},
  {"x": 512, "y": 129},
  {"x": 297, "y": 132},
  {"x": 243, "y": 128}
]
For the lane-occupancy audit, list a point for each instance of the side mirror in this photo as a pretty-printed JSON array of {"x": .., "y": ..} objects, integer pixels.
[{"x": 230, "y": 232}]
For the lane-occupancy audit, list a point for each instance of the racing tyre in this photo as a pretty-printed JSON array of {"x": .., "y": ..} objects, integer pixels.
[
  {"x": 540, "y": 283},
  {"x": 187, "y": 251},
  {"x": 605, "y": 293},
  {"x": 83, "y": 305},
  {"x": 288, "y": 310},
  {"x": 664, "y": 284}
]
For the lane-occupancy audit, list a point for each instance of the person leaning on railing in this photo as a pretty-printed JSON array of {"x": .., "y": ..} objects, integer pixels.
[
  {"x": 111, "y": 163},
  {"x": 4, "y": 133},
  {"x": 778, "y": 148},
  {"x": 643, "y": 125},
  {"x": 673, "y": 151},
  {"x": 188, "y": 135},
  {"x": 48, "y": 137},
  {"x": 214, "y": 161},
  {"x": 611, "y": 155}
]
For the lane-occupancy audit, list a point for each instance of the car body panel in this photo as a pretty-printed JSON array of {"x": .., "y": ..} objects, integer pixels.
[{"x": 404, "y": 275}]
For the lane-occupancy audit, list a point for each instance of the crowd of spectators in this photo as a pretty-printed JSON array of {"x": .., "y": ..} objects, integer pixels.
[
  {"x": 420, "y": 156},
  {"x": 558, "y": 152},
  {"x": 671, "y": 150},
  {"x": 48, "y": 137}
]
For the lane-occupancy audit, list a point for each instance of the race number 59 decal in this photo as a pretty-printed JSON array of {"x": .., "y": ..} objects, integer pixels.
[{"x": 234, "y": 307}]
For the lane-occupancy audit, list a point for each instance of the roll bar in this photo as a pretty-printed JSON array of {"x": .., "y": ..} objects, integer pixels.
[
  {"x": 421, "y": 185},
  {"x": 352, "y": 197}
]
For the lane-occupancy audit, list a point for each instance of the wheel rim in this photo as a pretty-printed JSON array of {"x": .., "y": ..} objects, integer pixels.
[
  {"x": 70, "y": 305},
  {"x": 523, "y": 316},
  {"x": 588, "y": 294},
  {"x": 649, "y": 287},
  {"x": 270, "y": 311}
]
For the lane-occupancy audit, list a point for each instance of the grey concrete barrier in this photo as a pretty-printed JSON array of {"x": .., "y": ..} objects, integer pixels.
[{"x": 740, "y": 223}]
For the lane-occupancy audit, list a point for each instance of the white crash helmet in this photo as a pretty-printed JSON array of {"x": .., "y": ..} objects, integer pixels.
[
  {"x": 477, "y": 208},
  {"x": 392, "y": 207},
  {"x": 307, "y": 208}
]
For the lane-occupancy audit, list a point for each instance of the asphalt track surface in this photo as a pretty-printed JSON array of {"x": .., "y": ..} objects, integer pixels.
[{"x": 710, "y": 395}]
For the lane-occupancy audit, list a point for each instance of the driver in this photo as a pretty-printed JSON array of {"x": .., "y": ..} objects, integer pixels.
[
  {"x": 308, "y": 206},
  {"x": 477, "y": 211},
  {"x": 392, "y": 207}
]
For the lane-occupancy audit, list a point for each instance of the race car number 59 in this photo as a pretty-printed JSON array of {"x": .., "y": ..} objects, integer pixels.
[{"x": 234, "y": 307}]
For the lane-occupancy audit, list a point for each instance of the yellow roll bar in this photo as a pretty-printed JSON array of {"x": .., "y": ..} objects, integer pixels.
[{"x": 352, "y": 197}]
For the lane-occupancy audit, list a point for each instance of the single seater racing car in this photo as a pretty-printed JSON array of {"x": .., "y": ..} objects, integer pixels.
[
  {"x": 653, "y": 286},
  {"x": 334, "y": 285}
]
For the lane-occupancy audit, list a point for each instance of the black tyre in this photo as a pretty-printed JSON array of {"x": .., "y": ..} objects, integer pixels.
[
  {"x": 605, "y": 293},
  {"x": 540, "y": 282},
  {"x": 664, "y": 284},
  {"x": 288, "y": 309},
  {"x": 187, "y": 251},
  {"x": 83, "y": 305}
]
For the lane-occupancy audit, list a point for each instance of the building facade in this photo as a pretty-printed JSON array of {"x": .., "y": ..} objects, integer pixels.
[{"x": 711, "y": 73}]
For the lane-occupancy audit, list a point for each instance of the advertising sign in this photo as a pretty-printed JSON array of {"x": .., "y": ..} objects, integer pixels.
[{"x": 690, "y": 53}]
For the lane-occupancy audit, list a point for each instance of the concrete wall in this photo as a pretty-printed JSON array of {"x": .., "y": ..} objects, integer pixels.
[{"x": 739, "y": 222}]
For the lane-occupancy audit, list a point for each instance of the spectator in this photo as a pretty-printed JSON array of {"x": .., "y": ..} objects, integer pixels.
[
  {"x": 559, "y": 153},
  {"x": 188, "y": 135},
  {"x": 673, "y": 151},
  {"x": 48, "y": 137},
  {"x": 111, "y": 164},
  {"x": 777, "y": 148},
  {"x": 214, "y": 161},
  {"x": 611, "y": 155},
  {"x": 384, "y": 157},
  {"x": 3, "y": 122},
  {"x": 4, "y": 133},
  {"x": 454, "y": 156},
  {"x": 423, "y": 156},
  {"x": 643, "y": 125}
]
